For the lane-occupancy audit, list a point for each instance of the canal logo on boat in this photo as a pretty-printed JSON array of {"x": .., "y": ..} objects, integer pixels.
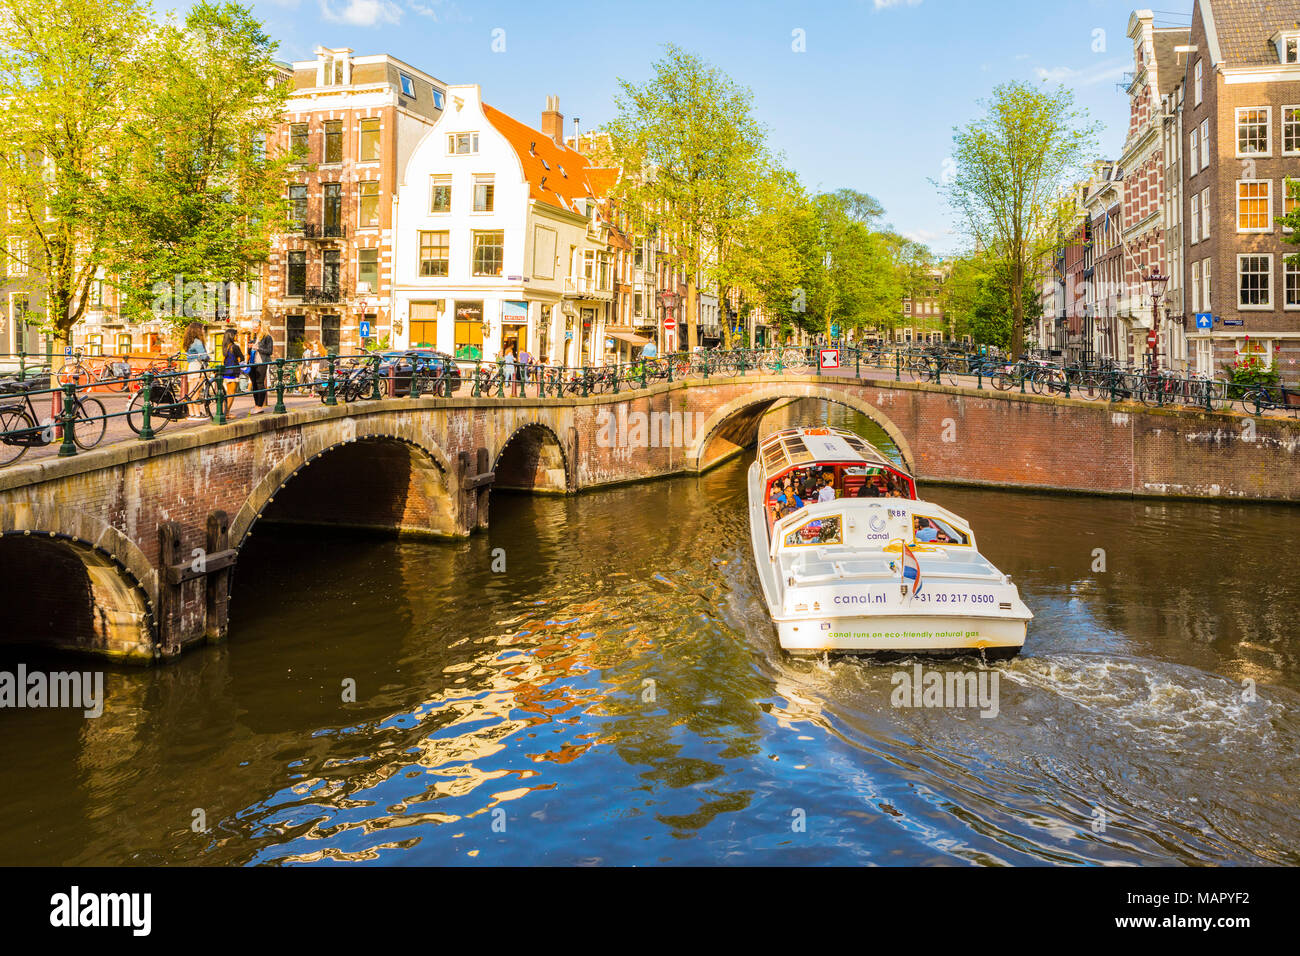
[{"x": 877, "y": 523}]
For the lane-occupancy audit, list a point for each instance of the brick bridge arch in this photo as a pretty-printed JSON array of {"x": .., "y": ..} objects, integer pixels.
[
  {"x": 534, "y": 458},
  {"x": 75, "y": 583},
  {"x": 430, "y": 504},
  {"x": 734, "y": 424}
]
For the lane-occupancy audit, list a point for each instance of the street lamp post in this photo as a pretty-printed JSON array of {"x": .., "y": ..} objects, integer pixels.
[{"x": 1156, "y": 283}]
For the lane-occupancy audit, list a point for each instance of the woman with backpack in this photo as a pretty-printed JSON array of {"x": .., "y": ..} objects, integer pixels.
[
  {"x": 259, "y": 358},
  {"x": 232, "y": 360}
]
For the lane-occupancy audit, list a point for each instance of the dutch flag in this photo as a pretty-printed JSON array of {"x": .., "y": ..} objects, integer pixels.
[{"x": 911, "y": 569}]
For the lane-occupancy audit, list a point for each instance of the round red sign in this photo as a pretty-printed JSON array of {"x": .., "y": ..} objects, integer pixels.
[
  {"x": 1152, "y": 338},
  {"x": 670, "y": 323}
]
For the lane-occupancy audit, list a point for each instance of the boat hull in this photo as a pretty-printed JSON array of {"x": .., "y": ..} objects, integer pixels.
[{"x": 904, "y": 634}]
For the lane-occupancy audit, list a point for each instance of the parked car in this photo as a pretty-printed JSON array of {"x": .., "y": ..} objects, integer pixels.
[{"x": 396, "y": 369}]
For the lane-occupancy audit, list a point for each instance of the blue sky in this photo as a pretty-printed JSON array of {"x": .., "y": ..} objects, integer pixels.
[{"x": 870, "y": 103}]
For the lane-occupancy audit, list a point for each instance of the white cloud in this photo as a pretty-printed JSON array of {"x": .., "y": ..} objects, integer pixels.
[
  {"x": 362, "y": 13},
  {"x": 441, "y": 11},
  {"x": 885, "y": 4},
  {"x": 1108, "y": 72}
]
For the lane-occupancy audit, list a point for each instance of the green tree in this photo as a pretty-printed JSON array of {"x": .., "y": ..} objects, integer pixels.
[
  {"x": 688, "y": 145},
  {"x": 204, "y": 194},
  {"x": 977, "y": 297},
  {"x": 1013, "y": 167},
  {"x": 71, "y": 81}
]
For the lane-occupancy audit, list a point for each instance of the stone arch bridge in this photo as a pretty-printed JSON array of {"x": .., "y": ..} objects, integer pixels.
[{"x": 127, "y": 551}]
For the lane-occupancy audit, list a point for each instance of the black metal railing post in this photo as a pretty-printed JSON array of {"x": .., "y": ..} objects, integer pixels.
[
  {"x": 146, "y": 408},
  {"x": 68, "y": 415},
  {"x": 330, "y": 397},
  {"x": 279, "y": 388},
  {"x": 375, "y": 361}
]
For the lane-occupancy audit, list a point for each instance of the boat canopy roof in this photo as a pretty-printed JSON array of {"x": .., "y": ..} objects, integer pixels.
[{"x": 793, "y": 447}]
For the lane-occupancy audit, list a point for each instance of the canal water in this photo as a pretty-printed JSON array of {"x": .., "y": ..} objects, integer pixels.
[{"x": 612, "y": 692}]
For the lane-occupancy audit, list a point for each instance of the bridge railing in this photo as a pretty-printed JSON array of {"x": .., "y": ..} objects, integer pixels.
[{"x": 79, "y": 405}]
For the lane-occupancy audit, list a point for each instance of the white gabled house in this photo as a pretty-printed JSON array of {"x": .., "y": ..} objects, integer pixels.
[{"x": 500, "y": 239}]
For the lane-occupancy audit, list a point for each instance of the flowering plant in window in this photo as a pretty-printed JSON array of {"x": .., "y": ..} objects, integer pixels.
[{"x": 1248, "y": 369}]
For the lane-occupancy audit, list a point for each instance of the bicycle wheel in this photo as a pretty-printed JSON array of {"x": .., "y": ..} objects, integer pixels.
[
  {"x": 14, "y": 421},
  {"x": 89, "y": 423},
  {"x": 948, "y": 372},
  {"x": 135, "y": 410},
  {"x": 1001, "y": 380},
  {"x": 1037, "y": 381}
]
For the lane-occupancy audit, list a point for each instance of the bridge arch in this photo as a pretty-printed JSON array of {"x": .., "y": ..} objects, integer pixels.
[
  {"x": 85, "y": 587},
  {"x": 734, "y": 424},
  {"x": 359, "y": 474},
  {"x": 534, "y": 459}
]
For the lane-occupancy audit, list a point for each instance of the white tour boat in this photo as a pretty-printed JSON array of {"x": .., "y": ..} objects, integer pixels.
[{"x": 871, "y": 569}]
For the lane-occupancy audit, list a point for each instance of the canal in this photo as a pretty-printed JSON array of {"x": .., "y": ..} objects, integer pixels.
[{"x": 596, "y": 681}]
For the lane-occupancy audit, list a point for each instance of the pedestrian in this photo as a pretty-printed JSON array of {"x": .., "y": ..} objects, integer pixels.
[
  {"x": 232, "y": 360},
  {"x": 197, "y": 358},
  {"x": 526, "y": 367},
  {"x": 508, "y": 371},
  {"x": 259, "y": 358}
]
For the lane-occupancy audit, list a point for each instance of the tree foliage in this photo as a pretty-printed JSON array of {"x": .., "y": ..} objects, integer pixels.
[{"x": 1014, "y": 165}]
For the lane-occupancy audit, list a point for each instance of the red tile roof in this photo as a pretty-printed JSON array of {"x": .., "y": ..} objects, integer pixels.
[{"x": 554, "y": 172}]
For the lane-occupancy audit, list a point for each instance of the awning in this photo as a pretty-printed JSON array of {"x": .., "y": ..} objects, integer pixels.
[{"x": 628, "y": 337}]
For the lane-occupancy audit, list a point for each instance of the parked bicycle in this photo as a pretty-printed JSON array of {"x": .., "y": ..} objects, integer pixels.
[
  {"x": 21, "y": 427},
  {"x": 172, "y": 398}
]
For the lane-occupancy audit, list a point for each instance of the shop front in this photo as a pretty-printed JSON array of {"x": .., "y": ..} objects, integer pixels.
[
  {"x": 623, "y": 344},
  {"x": 469, "y": 329},
  {"x": 514, "y": 326}
]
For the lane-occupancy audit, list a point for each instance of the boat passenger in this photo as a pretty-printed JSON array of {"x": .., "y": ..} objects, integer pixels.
[
  {"x": 827, "y": 492},
  {"x": 925, "y": 530}
]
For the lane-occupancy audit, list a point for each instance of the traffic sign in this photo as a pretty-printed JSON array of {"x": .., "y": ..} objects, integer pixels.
[
  {"x": 1204, "y": 320},
  {"x": 830, "y": 358},
  {"x": 1152, "y": 338},
  {"x": 365, "y": 329},
  {"x": 67, "y": 350},
  {"x": 670, "y": 323}
]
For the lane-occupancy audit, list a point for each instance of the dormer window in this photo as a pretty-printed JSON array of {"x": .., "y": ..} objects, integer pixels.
[
  {"x": 437, "y": 99},
  {"x": 408, "y": 85},
  {"x": 562, "y": 172},
  {"x": 546, "y": 166},
  {"x": 462, "y": 144},
  {"x": 1291, "y": 48}
]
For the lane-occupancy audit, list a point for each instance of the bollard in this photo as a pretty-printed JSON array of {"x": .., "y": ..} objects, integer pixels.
[
  {"x": 219, "y": 387},
  {"x": 1024, "y": 374},
  {"x": 478, "y": 378},
  {"x": 374, "y": 378},
  {"x": 857, "y": 363},
  {"x": 1067, "y": 384},
  {"x": 330, "y": 398},
  {"x": 669, "y": 360},
  {"x": 279, "y": 388},
  {"x": 68, "y": 415},
  {"x": 146, "y": 408},
  {"x": 501, "y": 379},
  {"x": 898, "y": 366},
  {"x": 979, "y": 377}
]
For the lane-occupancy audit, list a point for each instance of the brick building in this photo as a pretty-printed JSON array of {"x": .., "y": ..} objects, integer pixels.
[
  {"x": 1242, "y": 105},
  {"x": 354, "y": 121}
]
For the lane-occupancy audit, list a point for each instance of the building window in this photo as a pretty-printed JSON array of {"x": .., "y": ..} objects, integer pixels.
[
  {"x": 489, "y": 252},
  {"x": 1193, "y": 152},
  {"x": 1196, "y": 287},
  {"x": 298, "y": 142},
  {"x": 297, "y": 205},
  {"x": 1290, "y": 284},
  {"x": 1291, "y": 130},
  {"x": 469, "y": 329},
  {"x": 1194, "y": 220},
  {"x": 333, "y": 208},
  {"x": 1205, "y": 213},
  {"x": 367, "y": 270},
  {"x": 437, "y": 98},
  {"x": 484, "y": 193},
  {"x": 1291, "y": 48},
  {"x": 333, "y": 141},
  {"x": 1205, "y": 144},
  {"x": 1253, "y": 131},
  {"x": 329, "y": 332},
  {"x": 440, "y": 194},
  {"x": 1254, "y": 205},
  {"x": 408, "y": 85},
  {"x": 1205, "y": 356},
  {"x": 1206, "y": 302},
  {"x": 297, "y": 273},
  {"x": 435, "y": 254},
  {"x": 368, "y": 202},
  {"x": 253, "y": 295},
  {"x": 295, "y": 335},
  {"x": 1198, "y": 82},
  {"x": 462, "y": 144},
  {"x": 369, "y": 140},
  {"x": 329, "y": 277},
  {"x": 18, "y": 261},
  {"x": 1290, "y": 188},
  {"x": 1260, "y": 347},
  {"x": 1254, "y": 279}
]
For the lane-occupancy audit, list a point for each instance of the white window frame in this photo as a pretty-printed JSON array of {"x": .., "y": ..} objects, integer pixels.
[
  {"x": 407, "y": 84},
  {"x": 1268, "y": 131},
  {"x": 1205, "y": 356},
  {"x": 484, "y": 179},
  {"x": 1268, "y": 215},
  {"x": 1194, "y": 151},
  {"x": 453, "y": 139},
  {"x": 1264, "y": 307},
  {"x": 1194, "y": 220},
  {"x": 1198, "y": 84},
  {"x": 436, "y": 180},
  {"x": 1207, "y": 304},
  {"x": 1288, "y": 269},
  {"x": 1240, "y": 346},
  {"x": 1205, "y": 144},
  {"x": 1294, "y": 122},
  {"x": 1196, "y": 288},
  {"x": 1289, "y": 40},
  {"x": 1205, "y": 213}
]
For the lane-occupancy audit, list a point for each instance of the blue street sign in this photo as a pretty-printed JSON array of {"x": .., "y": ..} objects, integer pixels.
[
  {"x": 365, "y": 329},
  {"x": 1234, "y": 322},
  {"x": 1204, "y": 320},
  {"x": 67, "y": 350}
]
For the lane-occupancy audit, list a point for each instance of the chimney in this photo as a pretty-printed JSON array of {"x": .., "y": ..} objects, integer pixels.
[{"x": 553, "y": 120}]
